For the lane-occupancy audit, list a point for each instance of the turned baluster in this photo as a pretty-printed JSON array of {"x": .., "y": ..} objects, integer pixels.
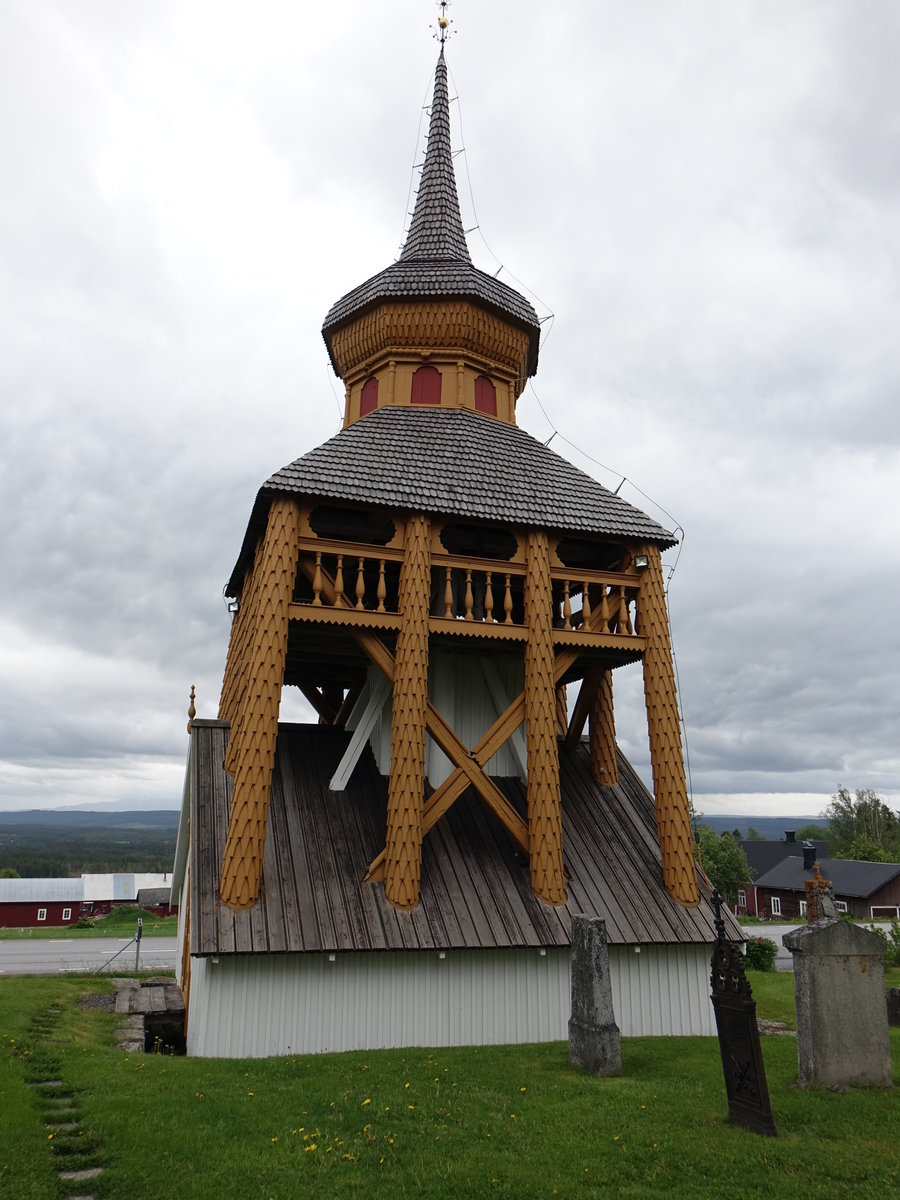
[
  {"x": 567, "y": 606},
  {"x": 448, "y": 594},
  {"x": 507, "y": 604},
  {"x": 604, "y": 610},
  {"x": 360, "y": 584},
  {"x": 339, "y": 582},
  {"x": 585, "y": 607},
  {"x": 317, "y": 581},
  {"x": 381, "y": 591},
  {"x": 624, "y": 622},
  {"x": 488, "y": 598},
  {"x": 469, "y": 597}
]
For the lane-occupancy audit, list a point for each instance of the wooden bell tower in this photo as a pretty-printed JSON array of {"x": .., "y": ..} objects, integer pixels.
[{"x": 433, "y": 561}]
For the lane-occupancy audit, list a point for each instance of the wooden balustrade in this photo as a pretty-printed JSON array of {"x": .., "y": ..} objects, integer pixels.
[{"x": 365, "y": 579}]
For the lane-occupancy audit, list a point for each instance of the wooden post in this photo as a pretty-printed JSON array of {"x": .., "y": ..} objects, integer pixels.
[
  {"x": 406, "y": 786},
  {"x": 544, "y": 803},
  {"x": 257, "y": 721},
  {"x": 673, "y": 819},
  {"x": 604, "y": 764}
]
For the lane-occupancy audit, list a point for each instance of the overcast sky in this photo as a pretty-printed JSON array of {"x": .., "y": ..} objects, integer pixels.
[{"x": 706, "y": 196}]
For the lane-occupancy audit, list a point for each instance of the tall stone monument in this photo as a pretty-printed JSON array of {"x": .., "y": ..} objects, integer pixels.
[
  {"x": 594, "y": 1038},
  {"x": 842, "y": 1025}
]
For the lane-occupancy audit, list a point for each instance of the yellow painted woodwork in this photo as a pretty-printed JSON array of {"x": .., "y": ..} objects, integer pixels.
[
  {"x": 469, "y": 764},
  {"x": 457, "y": 385},
  {"x": 562, "y": 711},
  {"x": 457, "y": 327},
  {"x": 237, "y": 667},
  {"x": 672, "y": 811},
  {"x": 544, "y": 802},
  {"x": 406, "y": 786},
  {"x": 257, "y": 720},
  {"x": 602, "y": 734}
]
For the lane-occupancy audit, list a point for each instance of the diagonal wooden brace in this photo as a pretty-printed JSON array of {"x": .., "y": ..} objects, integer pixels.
[
  {"x": 445, "y": 796},
  {"x": 467, "y": 764}
]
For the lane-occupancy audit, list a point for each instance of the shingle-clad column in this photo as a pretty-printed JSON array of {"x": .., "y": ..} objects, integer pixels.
[
  {"x": 604, "y": 763},
  {"x": 673, "y": 819},
  {"x": 544, "y": 804},
  {"x": 256, "y": 727},
  {"x": 406, "y": 787},
  {"x": 240, "y": 645}
]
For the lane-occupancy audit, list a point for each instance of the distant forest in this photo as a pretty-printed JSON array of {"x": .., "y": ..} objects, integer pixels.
[{"x": 60, "y": 844}]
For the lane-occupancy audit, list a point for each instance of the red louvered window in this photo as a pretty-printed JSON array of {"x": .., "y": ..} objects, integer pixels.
[
  {"x": 368, "y": 401},
  {"x": 485, "y": 396},
  {"x": 426, "y": 386}
]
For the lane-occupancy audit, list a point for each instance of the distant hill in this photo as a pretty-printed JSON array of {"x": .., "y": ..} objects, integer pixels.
[
  {"x": 772, "y": 828},
  {"x": 60, "y": 843},
  {"x": 76, "y": 818}
]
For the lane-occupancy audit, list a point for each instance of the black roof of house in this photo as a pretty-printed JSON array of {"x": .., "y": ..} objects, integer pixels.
[
  {"x": 452, "y": 462},
  {"x": 763, "y": 856},
  {"x": 850, "y": 877},
  {"x": 435, "y": 257},
  {"x": 475, "y": 885}
]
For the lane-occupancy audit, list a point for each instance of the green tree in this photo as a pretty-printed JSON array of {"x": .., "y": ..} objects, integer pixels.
[
  {"x": 810, "y": 833},
  {"x": 753, "y": 835},
  {"x": 9, "y": 873},
  {"x": 861, "y": 825},
  {"x": 724, "y": 862}
]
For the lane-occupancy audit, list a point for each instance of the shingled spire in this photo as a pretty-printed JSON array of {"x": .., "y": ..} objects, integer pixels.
[
  {"x": 434, "y": 264},
  {"x": 436, "y": 229}
]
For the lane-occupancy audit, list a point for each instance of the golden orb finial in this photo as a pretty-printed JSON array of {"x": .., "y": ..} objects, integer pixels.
[{"x": 442, "y": 33}]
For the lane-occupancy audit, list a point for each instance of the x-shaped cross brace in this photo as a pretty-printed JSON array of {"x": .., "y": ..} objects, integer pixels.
[{"x": 468, "y": 764}]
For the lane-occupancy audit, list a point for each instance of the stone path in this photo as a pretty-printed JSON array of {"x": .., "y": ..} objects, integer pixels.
[{"x": 78, "y": 1156}]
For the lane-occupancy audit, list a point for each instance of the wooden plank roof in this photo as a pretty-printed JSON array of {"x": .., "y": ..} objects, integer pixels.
[
  {"x": 452, "y": 462},
  {"x": 476, "y": 891}
]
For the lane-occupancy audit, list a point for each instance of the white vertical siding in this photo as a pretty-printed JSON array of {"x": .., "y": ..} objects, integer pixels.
[{"x": 255, "y": 1006}]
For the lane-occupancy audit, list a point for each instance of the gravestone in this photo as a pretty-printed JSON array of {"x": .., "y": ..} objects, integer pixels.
[
  {"x": 735, "y": 1009},
  {"x": 594, "y": 1038},
  {"x": 842, "y": 1025}
]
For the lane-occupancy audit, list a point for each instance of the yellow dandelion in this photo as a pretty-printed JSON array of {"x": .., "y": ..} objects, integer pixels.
[
  {"x": 365, "y": 1102},
  {"x": 274, "y": 1140},
  {"x": 521, "y": 1089}
]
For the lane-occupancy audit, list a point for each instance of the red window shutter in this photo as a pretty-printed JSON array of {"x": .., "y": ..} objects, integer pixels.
[
  {"x": 485, "y": 396},
  {"x": 368, "y": 401},
  {"x": 426, "y": 386}
]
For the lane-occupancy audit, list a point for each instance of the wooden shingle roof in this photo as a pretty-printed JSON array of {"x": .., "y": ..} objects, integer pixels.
[
  {"x": 435, "y": 258},
  {"x": 476, "y": 890},
  {"x": 452, "y": 462}
]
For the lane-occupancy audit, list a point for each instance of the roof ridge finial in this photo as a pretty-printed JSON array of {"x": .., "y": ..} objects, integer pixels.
[{"x": 443, "y": 32}]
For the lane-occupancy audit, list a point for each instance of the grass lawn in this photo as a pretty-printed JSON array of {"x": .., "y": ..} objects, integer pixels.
[
  {"x": 121, "y": 922},
  {"x": 510, "y": 1121}
]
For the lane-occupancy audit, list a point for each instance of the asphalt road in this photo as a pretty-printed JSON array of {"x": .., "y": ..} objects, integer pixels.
[{"x": 50, "y": 956}]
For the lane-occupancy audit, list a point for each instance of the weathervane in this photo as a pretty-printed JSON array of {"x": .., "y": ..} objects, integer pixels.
[{"x": 443, "y": 32}]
